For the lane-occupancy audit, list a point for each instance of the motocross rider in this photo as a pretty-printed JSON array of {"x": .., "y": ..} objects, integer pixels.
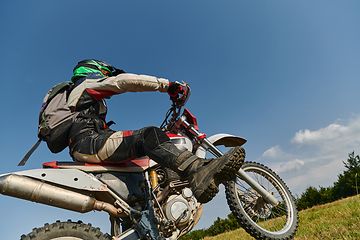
[{"x": 91, "y": 139}]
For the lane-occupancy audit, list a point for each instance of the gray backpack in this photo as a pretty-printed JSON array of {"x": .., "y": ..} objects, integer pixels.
[{"x": 55, "y": 120}]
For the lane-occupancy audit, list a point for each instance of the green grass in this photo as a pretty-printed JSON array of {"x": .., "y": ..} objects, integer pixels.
[{"x": 336, "y": 220}]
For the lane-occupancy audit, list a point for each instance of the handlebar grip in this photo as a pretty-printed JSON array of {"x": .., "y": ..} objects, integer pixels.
[{"x": 182, "y": 99}]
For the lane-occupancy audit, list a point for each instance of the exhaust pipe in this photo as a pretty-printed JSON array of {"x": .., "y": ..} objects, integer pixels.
[{"x": 41, "y": 192}]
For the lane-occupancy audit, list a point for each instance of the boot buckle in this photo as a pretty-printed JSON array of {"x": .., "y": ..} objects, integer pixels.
[{"x": 188, "y": 161}]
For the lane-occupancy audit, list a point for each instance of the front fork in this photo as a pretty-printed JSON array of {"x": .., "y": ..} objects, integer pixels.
[{"x": 207, "y": 145}]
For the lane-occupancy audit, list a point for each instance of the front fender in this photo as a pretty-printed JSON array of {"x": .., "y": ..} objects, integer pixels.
[{"x": 223, "y": 139}]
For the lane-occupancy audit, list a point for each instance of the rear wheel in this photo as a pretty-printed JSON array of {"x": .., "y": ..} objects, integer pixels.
[
  {"x": 66, "y": 231},
  {"x": 259, "y": 218}
]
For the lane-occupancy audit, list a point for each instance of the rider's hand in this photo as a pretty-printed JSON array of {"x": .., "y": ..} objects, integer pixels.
[
  {"x": 179, "y": 92},
  {"x": 175, "y": 88}
]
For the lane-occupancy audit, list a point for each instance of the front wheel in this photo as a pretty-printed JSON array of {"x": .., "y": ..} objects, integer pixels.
[
  {"x": 259, "y": 218},
  {"x": 66, "y": 230}
]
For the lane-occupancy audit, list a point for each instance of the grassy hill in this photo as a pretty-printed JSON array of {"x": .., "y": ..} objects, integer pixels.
[{"x": 336, "y": 220}]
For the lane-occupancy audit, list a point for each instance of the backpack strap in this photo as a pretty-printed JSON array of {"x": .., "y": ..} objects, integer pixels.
[{"x": 24, "y": 160}]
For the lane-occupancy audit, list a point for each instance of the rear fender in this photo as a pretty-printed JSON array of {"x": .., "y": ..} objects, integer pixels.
[
  {"x": 223, "y": 139},
  {"x": 72, "y": 178}
]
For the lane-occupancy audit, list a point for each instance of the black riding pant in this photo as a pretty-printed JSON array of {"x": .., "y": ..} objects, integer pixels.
[{"x": 110, "y": 146}]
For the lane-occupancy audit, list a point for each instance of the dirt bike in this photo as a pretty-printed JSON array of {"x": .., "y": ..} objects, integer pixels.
[{"x": 149, "y": 201}]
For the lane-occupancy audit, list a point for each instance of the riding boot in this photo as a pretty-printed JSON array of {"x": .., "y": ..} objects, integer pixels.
[{"x": 204, "y": 175}]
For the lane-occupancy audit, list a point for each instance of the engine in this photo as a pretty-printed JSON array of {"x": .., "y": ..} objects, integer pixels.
[{"x": 177, "y": 207}]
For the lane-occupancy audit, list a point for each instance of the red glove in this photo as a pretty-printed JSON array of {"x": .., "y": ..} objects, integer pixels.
[
  {"x": 174, "y": 89},
  {"x": 179, "y": 92}
]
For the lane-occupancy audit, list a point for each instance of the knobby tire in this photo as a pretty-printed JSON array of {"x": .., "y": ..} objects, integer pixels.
[
  {"x": 66, "y": 230},
  {"x": 260, "y": 219}
]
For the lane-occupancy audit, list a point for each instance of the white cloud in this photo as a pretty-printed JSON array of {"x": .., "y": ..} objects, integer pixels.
[
  {"x": 334, "y": 136},
  {"x": 317, "y": 159},
  {"x": 331, "y": 132},
  {"x": 274, "y": 152},
  {"x": 315, "y": 175},
  {"x": 280, "y": 167}
]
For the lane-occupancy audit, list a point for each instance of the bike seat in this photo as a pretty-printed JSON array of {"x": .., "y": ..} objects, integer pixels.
[{"x": 137, "y": 165}]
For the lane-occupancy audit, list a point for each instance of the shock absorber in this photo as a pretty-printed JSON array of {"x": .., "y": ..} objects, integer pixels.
[{"x": 154, "y": 179}]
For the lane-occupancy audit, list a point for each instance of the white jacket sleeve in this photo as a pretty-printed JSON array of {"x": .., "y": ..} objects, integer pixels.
[
  {"x": 128, "y": 82},
  {"x": 125, "y": 82}
]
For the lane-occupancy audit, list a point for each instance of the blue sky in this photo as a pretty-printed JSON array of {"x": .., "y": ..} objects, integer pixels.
[{"x": 282, "y": 74}]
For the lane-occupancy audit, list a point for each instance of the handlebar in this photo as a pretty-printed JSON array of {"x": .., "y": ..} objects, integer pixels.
[{"x": 177, "y": 103}]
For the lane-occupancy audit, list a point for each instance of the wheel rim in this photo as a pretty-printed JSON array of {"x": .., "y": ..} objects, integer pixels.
[{"x": 274, "y": 220}]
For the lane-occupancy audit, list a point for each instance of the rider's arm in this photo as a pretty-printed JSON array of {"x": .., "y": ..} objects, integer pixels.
[
  {"x": 97, "y": 89},
  {"x": 128, "y": 82}
]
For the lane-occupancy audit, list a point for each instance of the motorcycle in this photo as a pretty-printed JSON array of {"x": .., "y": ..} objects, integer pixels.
[{"x": 148, "y": 201}]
